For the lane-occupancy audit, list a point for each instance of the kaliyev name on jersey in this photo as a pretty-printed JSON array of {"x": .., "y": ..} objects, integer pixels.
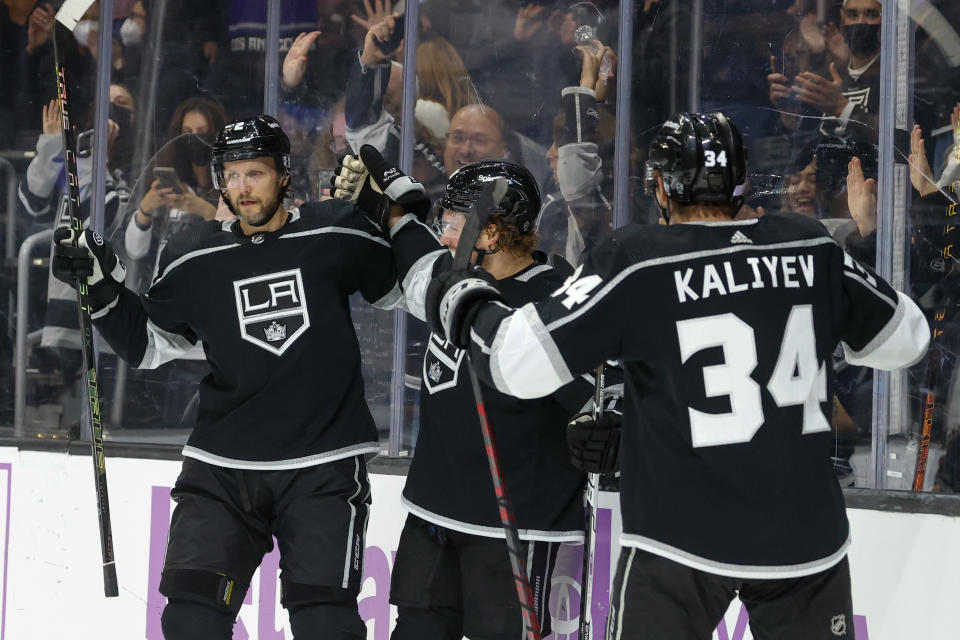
[{"x": 743, "y": 273}]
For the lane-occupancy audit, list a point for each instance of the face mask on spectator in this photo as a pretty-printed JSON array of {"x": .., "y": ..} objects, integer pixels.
[
  {"x": 863, "y": 39},
  {"x": 131, "y": 34},
  {"x": 83, "y": 30},
  {"x": 197, "y": 149}
]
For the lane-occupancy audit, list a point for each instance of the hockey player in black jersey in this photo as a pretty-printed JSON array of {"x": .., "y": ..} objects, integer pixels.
[
  {"x": 283, "y": 427},
  {"x": 452, "y": 575},
  {"x": 726, "y": 330}
]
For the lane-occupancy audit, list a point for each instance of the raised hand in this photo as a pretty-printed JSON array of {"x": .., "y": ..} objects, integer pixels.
[
  {"x": 921, "y": 176},
  {"x": 295, "y": 62},
  {"x": 836, "y": 44},
  {"x": 861, "y": 198},
  {"x": 51, "y": 117},
  {"x": 376, "y": 13},
  {"x": 529, "y": 21},
  {"x": 40, "y": 26},
  {"x": 821, "y": 93}
]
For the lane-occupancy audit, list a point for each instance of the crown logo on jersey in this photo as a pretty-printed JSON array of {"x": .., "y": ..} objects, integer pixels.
[
  {"x": 740, "y": 238},
  {"x": 435, "y": 372},
  {"x": 275, "y": 332}
]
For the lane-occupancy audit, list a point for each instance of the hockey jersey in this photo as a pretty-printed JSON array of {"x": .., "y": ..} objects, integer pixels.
[
  {"x": 272, "y": 312},
  {"x": 726, "y": 332},
  {"x": 448, "y": 482}
]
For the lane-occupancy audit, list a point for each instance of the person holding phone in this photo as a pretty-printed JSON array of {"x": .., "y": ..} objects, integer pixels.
[{"x": 181, "y": 188}]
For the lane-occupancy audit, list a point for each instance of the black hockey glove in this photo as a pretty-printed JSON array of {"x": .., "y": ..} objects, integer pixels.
[
  {"x": 375, "y": 185},
  {"x": 93, "y": 259},
  {"x": 453, "y": 300},
  {"x": 594, "y": 446}
]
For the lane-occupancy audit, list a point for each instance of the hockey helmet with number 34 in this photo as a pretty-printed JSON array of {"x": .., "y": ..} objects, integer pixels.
[
  {"x": 520, "y": 204},
  {"x": 701, "y": 158},
  {"x": 246, "y": 139}
]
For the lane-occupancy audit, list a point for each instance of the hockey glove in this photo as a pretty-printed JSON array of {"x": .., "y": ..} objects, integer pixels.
[
  {"x": 375, "y": 185},
  {"x": 453, "y": 300},
  {"x": 594, "y": 446},
  {"x": 92, "y": 259}
]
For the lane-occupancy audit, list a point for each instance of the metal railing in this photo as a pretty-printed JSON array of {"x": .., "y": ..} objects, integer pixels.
[{"x": 23, "y": 306}]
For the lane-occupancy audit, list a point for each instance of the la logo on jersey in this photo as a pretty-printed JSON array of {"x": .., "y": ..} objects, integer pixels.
[
  {"x": 441, "y": 366},
  {"x": 272, "y": 310}
]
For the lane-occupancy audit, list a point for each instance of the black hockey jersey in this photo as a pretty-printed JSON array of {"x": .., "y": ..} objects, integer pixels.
[
  {"x": 272, "y": 312},
  {"x": 726, "y": 332},
  {"x": 449, "y": 478}
]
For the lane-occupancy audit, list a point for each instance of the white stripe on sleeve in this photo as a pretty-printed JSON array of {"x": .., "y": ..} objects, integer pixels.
[
  {"x": 899, "y": 344},
  {"x": 525, "y": 361}
]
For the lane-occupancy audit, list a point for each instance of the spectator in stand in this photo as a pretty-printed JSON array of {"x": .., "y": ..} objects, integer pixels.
[
  {"x": 444, "y": 88},
  {"x": 43, "y": 195},
  {"x": 579, "y": 212},
  {"x": 165, "y": 210}
]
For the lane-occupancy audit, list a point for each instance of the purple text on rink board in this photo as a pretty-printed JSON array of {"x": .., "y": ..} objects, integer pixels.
[{"x": 564, "y": 603}]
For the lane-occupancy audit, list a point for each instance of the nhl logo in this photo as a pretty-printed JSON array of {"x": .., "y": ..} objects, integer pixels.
[
  {"x": 838, "y": 625},
  {"x": 435, "y": 371},
  {"x": 272, "y": 310},
  {"x": 257, "y": 239}
]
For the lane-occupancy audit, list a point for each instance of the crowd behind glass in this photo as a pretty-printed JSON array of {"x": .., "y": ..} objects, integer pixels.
[{"x": 536, "y": 83}]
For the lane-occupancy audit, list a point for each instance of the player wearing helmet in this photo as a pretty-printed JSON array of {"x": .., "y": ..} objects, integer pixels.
[
  {"x": 726, "y": 329},
  {"x": 283, "y": 428},
  {"x": 452, "y": 575}
]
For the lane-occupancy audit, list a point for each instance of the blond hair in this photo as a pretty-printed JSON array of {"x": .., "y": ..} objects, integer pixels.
[{"x": 442, "y": 75}]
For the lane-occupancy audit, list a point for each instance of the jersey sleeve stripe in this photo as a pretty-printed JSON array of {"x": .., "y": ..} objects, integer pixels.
[
  {"x": 870, "y": 288},
  {"x": 902, "y": 342},
  {"x": 526, "y": 362},
  {"x": 416, "y": 281},
  {"x": 193, "y": 254},
  {"x": 345, "y": 230},
  {"x": 162, "y": 346}
]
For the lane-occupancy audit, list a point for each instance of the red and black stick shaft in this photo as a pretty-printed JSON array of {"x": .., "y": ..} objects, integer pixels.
[
  {"x": 491, "y": 193},
  {"x": 531, "y": 621},
  {"x": 65, "y": 53}
]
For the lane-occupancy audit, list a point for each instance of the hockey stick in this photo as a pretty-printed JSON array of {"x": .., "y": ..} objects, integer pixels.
[
  {"x": 590, "y": 534},
  {"x": 492, "y": 192},
  {"x": 934, "y": 369},
  {"x": 65, "y": 47}
]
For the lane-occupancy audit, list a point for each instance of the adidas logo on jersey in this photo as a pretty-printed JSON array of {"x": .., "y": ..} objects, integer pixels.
[{"x": 740, "y": 238}]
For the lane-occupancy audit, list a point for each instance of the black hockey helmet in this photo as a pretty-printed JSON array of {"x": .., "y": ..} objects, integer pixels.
[
  {"x": 520, "y": 205},
  {"x": 701, "y": 158},
  {"x": 246, "y": 139}
]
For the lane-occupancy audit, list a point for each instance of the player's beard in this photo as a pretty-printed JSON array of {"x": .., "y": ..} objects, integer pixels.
[{"x": 262, "y": 217}]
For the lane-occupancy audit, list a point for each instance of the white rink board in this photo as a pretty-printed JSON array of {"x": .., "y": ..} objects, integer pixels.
[{"x": 906, "y": 568}]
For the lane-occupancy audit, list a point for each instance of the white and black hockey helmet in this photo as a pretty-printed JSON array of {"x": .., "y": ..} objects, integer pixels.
[
  {"x": 245, "y": 139},
  {"x": 701, "y": 158},
  {"x": 520, "y": 205}
]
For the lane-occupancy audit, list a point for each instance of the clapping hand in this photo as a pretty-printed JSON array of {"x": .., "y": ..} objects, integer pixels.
[
  {"x": 921, "y": 176},
  {"x": 295, "y": 62},
  {"x": 861, "y": 198},
  {"x": 821, "y": 93}
]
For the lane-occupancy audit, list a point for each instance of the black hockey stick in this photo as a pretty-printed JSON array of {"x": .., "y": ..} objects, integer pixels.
[
  {"x": 590, "y": 534},
  {"x": 492, "y": 192},
  {"x": 65, "y": 53},
  {"x": 935, "y": 363}
]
